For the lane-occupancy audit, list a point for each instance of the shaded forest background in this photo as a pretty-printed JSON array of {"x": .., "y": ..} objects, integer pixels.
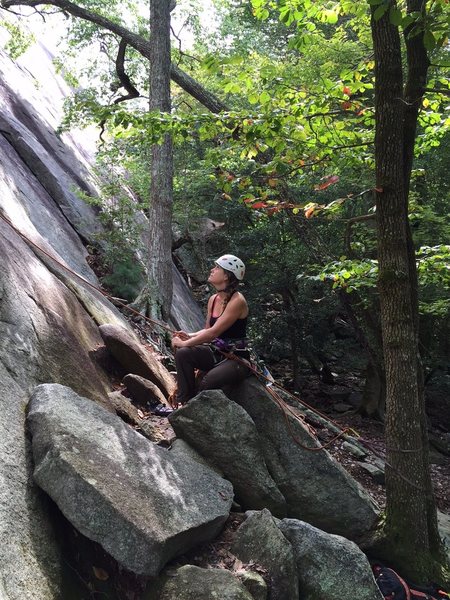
[
  {"x": 285, "y": 165},
  {"x": 287, "y": 172}
]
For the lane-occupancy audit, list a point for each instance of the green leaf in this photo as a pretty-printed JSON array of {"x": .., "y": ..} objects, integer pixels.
[
  {"x": 395, "y": 16},
  {"x": 428, "y": 40},
  {"x": 330, "y": 16},
  {"x": 380, "y": 11},
  {"x": 407, "y": 20}
]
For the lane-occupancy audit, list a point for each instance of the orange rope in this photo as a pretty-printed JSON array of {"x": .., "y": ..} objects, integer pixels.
[{"x": 279, "y": 401}]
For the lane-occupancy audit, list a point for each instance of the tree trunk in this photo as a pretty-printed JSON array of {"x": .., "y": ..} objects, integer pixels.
[
  {"x": 408, "y": 492},
  {"x": 418, "y": 64},
  {"x": 161, "y": 167}
]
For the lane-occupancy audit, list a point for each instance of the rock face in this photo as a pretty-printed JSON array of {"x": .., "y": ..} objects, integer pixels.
[
  {"x": 316, "y": 488},
  {"x": 45, "y": 335},
  {"x": 119, "y": 489},
  {"x": 127, "y": 350},
  {"x": 330, "y": 567},
  {"x": 194, "y": 583},
  {"x": 222, "y": 432},
  {"x": 259, "y": 540},
  {"x": 48, "y": 318}
]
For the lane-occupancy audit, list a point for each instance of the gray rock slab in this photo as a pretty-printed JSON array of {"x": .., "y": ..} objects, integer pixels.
[
  {"x": 194, "y": 583},
  {"x": 316, "y": 488},
  {"x": 185, "y": 312},
  {"x": 119, "y": 489},
  {"x": 143, "y": 391},
  {"x": 30, "y": 561},
  {"x": 29, "y": 123},
  {"x": 135, "y": 358},
  {"x": 330, "y": 567},
  {"x": 45, "y": 335},
  {"x": 224, "y": 433},
  {"x": 260, "y": 541}
]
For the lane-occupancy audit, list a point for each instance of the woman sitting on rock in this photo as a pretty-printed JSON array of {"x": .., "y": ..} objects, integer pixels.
[{"x": 225, "y": 328}]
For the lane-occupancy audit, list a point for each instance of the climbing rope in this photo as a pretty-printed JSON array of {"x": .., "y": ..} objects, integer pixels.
[{"x": 282, "y": 404}]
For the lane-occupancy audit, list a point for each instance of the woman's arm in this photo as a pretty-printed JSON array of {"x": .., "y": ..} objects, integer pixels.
[
  {"x": 182, "y": 335},
  {"x": 233, "y": 311}
]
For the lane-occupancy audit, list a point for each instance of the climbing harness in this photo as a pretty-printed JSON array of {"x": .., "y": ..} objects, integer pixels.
[{"x": 228, "y": 352}]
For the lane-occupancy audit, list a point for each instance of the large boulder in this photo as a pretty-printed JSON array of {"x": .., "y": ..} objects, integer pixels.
[
  {"x": 222, "y": 432},
  {"x": 258, "y": 540},
  {"x": 194, "y": 583},
  {"x": 135, "y": 358},
  {"x": 316, "y": 488},
  {"x": 143, "y": 505},
  {"x": 330, "y": 567}
]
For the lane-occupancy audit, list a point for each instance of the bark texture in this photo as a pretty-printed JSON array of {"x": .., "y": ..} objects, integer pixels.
[
  {"x": 410, "y": 511},
  {"x": 161, "y": 167}
]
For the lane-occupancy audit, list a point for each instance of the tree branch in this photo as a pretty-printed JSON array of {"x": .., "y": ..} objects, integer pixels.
[
  {"x": 123, "y": 77},
  {"x": 141, "y": 44}
]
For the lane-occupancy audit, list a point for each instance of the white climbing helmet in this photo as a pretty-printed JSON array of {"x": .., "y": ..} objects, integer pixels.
[{"x": 232, "y": 263}]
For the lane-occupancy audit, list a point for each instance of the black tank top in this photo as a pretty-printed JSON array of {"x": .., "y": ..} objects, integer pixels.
[{"x": 236, "y": 331}]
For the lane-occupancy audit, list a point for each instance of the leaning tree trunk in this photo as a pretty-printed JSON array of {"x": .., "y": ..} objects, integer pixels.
[
  {"x": 161, "y": 167},
  {"x": 408, "y": 492}
]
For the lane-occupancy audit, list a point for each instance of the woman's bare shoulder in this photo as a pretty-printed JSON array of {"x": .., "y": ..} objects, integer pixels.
[
  {"x": 239, "y": 302},
  {"x": 238, "y": 298}
]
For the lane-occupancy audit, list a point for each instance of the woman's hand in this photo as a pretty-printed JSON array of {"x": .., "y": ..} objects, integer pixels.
[
  {"x": 177, "y": 342},
  {"x": 182, "y": 335}
]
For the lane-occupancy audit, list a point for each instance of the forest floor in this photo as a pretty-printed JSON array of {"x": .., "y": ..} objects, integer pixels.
[{"x": 339, "y": 403}]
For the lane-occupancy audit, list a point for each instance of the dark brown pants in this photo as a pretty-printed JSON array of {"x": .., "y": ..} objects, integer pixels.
[{"x": 202, "y": 358}]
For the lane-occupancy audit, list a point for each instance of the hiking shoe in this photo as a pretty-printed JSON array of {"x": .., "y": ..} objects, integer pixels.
[{"x": 162, "y": 410}]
